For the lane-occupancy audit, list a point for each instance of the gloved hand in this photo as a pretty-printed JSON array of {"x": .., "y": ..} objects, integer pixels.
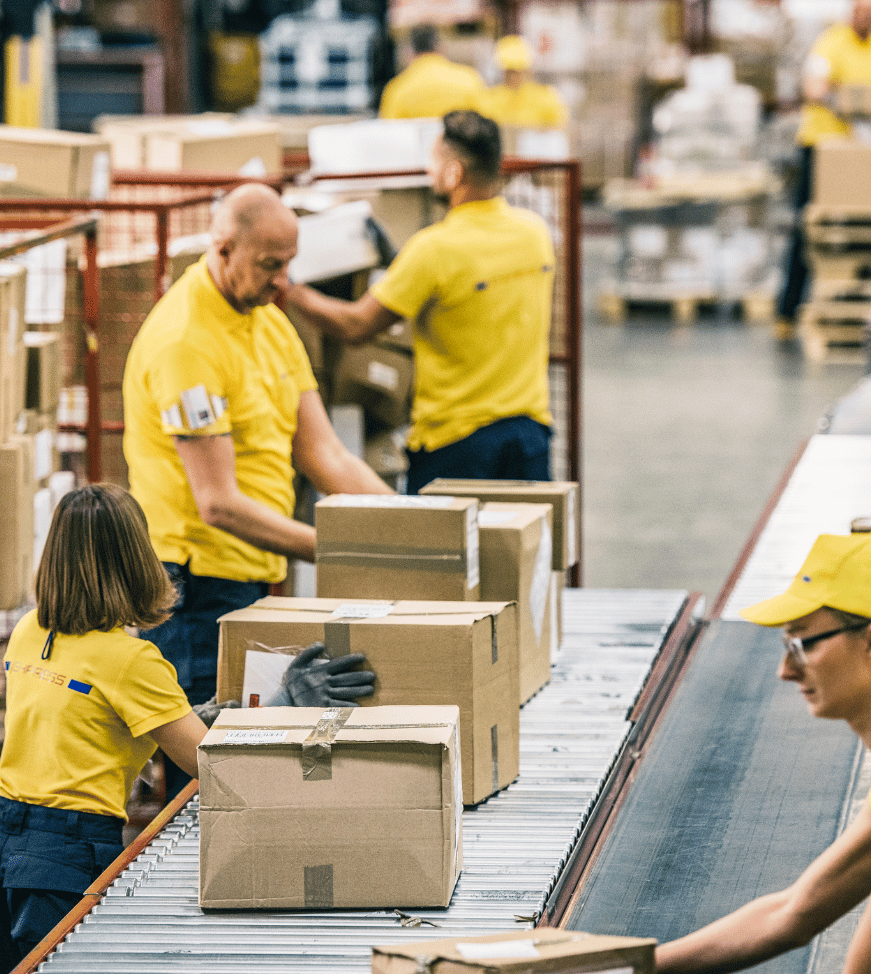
[
  {"x": 383, "y": 244},
  {"x": 208, "y": 711},
  {"x": 312, "y": 682}
]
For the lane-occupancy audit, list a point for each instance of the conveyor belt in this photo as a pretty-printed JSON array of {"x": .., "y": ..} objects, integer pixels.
[
  {"x": 741, "y": 788},
  {"x": 516, "y": 844}
]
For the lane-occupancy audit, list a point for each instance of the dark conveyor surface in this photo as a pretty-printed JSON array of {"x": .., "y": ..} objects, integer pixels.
[{"x": 740, "y": 790}]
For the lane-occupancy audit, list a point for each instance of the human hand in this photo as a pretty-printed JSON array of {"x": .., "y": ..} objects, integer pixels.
[
  {"x": 208, "y": 711},
  {"x": 312, "y": 682}
]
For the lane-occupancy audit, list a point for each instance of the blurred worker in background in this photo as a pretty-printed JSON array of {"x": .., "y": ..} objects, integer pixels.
[
  {"x": 478, "y": 288},
  {"x": 220, "y": 406},
  {"x": 431, "y": 86},
  {"x": 840, "y": 56},
  {"x": 826, "y": 615},
  {"x": 520, "y": 101}
]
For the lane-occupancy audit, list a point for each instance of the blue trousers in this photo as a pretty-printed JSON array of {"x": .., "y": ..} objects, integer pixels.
[
  {"x": 48, "y": 858},
  {"x": 516, "y": 448},
  {"x": 189, "y": 639}
]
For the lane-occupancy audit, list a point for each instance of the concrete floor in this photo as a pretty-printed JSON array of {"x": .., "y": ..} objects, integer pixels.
[{"x": 687, "y": 430}]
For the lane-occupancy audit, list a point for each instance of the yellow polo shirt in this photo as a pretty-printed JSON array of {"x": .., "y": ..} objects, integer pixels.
[
  {"x": 478, "y": 286},
  {"x": 530, "y": 105},
  {"x": 845, "y": 59},
  {"x": 78, "y": 724},
  {"x": 199, "y": 368},
  {"x": 430, "y": 87}
]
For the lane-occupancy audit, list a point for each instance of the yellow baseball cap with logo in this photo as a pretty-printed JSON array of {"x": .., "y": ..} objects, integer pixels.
[
  {"x": 836, "y": 574},
  {"x": 513, "y": 53}
]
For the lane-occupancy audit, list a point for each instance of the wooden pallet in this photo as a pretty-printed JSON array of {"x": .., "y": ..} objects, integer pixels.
[
  {"x": 684, "y": 308},
  {"x": 836, "y": 332}
]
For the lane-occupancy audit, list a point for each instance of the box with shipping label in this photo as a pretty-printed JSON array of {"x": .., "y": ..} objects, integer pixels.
[
  {"x": 429, "y": 653},
  {"x": 42, "y": 390},
  {"x": 13, "y": 356},
  {"x": 216, "y": 145},
  {"x": 372, "y": 546},
  {"x": 543, "y": 950},
  {"x": 16, "y": 515},
  {"x": 379, "y": 379},
  {"x": 306, "y": 808},
  {"x": 563, "y": 495},
  {"x": 516, "y": 552},
  {"x": 50, "y": 162}
]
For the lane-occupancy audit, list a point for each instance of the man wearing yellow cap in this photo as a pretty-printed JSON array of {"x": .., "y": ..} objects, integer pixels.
[
  {"x": 826, "y": 615},
  {"x": 519, "y": 100},
  {"x": 431, "y": 86}
]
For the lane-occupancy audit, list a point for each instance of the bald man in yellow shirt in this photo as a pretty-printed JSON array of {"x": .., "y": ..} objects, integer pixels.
[
  {"x": 840, "y": 56},
  {"x": 478, "y": 288}
]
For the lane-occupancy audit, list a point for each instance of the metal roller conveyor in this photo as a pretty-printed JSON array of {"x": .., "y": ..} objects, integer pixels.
[{"x": 516, "y": 844}]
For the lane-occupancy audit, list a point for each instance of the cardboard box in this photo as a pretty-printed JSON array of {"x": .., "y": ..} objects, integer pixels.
[
  {"x": 372, "y": 546},
  {"x": 127, "y": 135},
  {"x": 564, "y": 495},
  {"x": 42, "y": 390},
  {"x": 216, "y": 145},
  {"x": 516, "y": 554},
  {"x": 403, "y": 210},
  {"x": 53, "y": 163},
  {"x": 16, "y": 515},
  {"x": 303, "y": 808},
  {"x": 379, "y": 379},
  {"x": 431, "y": 653},
  {"x": 842, "y": 173},
  {"x": 13, "y": 360},
  {"x": 334, "y": 243},
  {"x": 542, "y": 950}
]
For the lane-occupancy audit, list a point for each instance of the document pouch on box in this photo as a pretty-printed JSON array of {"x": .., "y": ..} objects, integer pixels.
[{"x": 255, "y": 735}]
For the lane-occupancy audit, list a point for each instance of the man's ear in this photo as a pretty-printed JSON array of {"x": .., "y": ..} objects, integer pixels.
[{"x": 454, "y": 172}]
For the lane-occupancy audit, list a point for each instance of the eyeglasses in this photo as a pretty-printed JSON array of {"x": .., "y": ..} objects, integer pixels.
[{"x": 796, "y": 646}]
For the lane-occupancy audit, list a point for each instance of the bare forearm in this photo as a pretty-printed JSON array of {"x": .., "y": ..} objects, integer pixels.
[
  {"x": 348, "y": 474},
  {"x": 261, "y": 526},
  {"x": 332, "y": 315}
]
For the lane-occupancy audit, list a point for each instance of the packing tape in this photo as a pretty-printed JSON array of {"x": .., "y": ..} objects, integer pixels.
[
  {"x": 319, "y": 887},
  {"x": 494, "y": 753},
  {"x": 317, "y": 748},
  {"x": 366, "y": 556}
]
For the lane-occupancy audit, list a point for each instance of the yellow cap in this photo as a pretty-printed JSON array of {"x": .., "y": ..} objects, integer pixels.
[
  {"x": 513, "y": 53},
  {"x": 836, "y": 573}
]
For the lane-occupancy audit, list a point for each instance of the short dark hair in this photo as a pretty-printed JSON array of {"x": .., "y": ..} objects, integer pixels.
[
  {"x": 424, "y": 38},
  {"x": 98, "y": 570},
  {"x": 477, "y": 141}
]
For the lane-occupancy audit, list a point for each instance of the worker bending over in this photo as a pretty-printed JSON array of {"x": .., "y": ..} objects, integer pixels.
[
  {"x": 431, "y": 86},
  {"x": 220, "y": 406},
  {"x": 478, "y": 288},
  {"x": 519, "y": 101},
  {"x": 826, "y": 614}
]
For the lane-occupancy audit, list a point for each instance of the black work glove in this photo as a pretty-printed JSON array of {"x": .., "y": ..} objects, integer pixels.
[
  {"x": 383, "y": 244},
  {"x": 312, "y": 682},
  {"x": 208, "y": 711}
]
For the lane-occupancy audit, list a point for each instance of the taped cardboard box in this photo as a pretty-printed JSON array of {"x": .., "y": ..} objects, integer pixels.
[
  {"x": 304, "y": 808},
  {"x": 430, "y": 653},
  {"x": 53, "y": 163},
  {"x": 372, "y": 546},
  {"x": 516, "y": 554},
  {"x": 542, "y": 950},
  {"x": 16, "y": 516},
  {"x": 563, "y": 495}
]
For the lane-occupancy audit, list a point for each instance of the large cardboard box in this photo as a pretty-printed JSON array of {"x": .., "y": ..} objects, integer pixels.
[
  {"x": 379, "y": 379},
  {"x": 516, "y": 554},
  {"x": 216, "y": 145},
  {"x": 16, "y": 516},
  {"x": 372, "y": 546},
  {"x": 563, "y": 495},
  {"x": 13, "y": 357},
  {"x": 127, "y": 135},
  {"x": 842, "y": 173},
  {"x": 53, "y": 163},
  {"x": 543, "y": 950},
  {"x": 431, "y": 653},
  {"x": 303, "y": 808}
]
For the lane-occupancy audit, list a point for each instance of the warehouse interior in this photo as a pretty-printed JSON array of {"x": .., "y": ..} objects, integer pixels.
[{"x": 656, "y": 774}]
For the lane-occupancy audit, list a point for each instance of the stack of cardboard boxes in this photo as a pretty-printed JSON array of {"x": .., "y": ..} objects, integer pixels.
[{"x": 833, "y": 325}]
